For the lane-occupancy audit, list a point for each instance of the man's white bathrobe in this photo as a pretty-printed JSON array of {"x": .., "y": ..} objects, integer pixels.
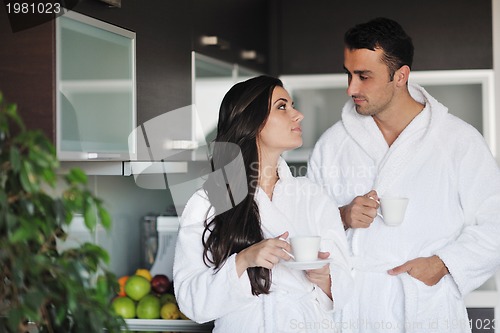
[
  {"x": 294, "y": 304},
  {"x": 445, "y": 168}
]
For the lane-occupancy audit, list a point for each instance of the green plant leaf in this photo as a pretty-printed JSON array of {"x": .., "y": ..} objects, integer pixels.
[
  {"x": 76, "y": 176},
  {"x": 21, "y": 235},
  {"x": 105, "y": 217},
  {"x": 90, "y": 214},
  {"x": 28, "y": 178}
]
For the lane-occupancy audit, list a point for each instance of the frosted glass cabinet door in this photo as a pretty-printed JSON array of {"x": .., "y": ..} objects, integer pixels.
[{"x": 96, "y": 89}]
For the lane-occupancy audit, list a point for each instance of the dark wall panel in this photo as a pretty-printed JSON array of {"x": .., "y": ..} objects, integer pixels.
[{"x": 447, "y": 34}]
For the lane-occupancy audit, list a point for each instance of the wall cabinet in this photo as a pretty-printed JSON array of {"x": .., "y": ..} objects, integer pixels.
[
  {"x": 95, "y": 89},
  {"x": 167, "y": 32}
]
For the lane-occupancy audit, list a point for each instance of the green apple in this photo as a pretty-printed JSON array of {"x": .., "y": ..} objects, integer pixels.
[
  {"x": 124, "y": 306},
  {"x": 148, "y": 307},
  {"x": 137, "y": 287},
  {"x": 168, "y": 298}
]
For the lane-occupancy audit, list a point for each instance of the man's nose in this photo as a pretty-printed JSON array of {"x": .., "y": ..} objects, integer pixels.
[{"x": 352, "y": 88}]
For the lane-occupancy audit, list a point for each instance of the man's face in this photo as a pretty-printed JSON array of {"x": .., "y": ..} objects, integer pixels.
[{"x": 369, "y": 82}]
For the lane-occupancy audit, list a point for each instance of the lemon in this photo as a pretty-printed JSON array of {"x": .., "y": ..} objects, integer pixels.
[
  {"x": 144, "y": 273},
  {"x": 169, "y": 311}
]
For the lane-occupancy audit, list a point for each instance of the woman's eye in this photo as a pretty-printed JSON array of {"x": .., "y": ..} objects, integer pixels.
[{"x": 282, "y": 107}]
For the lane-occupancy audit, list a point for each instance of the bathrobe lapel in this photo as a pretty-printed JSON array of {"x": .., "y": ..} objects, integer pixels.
[
  {"x": 392, "y": 161},
  {"x": 273, "y": 221}
]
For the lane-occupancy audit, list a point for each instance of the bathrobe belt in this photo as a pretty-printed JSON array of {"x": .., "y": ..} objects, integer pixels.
[{"x": 407, "y": 282}]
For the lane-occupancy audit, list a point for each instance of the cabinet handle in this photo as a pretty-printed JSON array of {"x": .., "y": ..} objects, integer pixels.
[
  {"x": 180, "y": 144},
  {"x": 214, "y": 41}
]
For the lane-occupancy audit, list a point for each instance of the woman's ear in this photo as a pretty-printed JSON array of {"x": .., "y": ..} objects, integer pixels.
[{"x": 401, "y": 76}]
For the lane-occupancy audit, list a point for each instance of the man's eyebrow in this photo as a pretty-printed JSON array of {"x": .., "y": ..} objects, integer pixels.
[{"x": 358, "y": 72}]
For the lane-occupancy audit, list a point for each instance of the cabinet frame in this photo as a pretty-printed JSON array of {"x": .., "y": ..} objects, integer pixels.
[{"x": 95, "y": 86}]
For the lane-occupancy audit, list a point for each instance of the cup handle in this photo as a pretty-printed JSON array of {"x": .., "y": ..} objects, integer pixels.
[
  {"x": 291, "y": 255},
  {"x": 378, "y": 214}
]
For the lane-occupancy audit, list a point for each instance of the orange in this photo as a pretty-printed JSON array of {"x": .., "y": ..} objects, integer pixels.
[{"x": 121, "y": 282}]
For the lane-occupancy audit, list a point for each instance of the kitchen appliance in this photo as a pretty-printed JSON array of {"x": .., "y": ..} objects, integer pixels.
[{"x": 158, "y": 238}]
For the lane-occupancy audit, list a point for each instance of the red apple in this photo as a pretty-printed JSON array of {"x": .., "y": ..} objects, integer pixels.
[{"x": 160, "y": 283}]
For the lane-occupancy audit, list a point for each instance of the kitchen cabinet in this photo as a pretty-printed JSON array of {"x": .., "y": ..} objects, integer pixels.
[
  {"x": 448, "y": 35},
  {"x": 163, "y": 66},
  {"x": 95, "y": 89},
  {"x": 212, "y": 79},
  {"x": 167, "y": 32}
]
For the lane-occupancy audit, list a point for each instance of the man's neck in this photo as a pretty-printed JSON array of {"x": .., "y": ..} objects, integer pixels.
[{"x": 393, "y": 122}]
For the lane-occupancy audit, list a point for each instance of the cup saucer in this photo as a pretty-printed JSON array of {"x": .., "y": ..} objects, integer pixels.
[{"x": 304, "y": 265}]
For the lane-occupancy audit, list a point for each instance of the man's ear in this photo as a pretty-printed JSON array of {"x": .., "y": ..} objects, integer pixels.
[{"x": 401, "y": 76}]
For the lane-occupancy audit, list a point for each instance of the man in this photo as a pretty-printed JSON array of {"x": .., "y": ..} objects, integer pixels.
[{"x": 395, "y": 139}]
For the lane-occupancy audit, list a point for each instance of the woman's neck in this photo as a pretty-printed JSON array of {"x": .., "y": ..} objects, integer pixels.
[{"x": 268, "y": 173}]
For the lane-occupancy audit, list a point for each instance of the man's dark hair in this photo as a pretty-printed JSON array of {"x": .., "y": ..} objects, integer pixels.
[{"x": 385, "y": 34}]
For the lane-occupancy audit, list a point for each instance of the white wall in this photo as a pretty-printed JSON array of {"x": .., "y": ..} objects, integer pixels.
[{"x": 127, "y": 204}]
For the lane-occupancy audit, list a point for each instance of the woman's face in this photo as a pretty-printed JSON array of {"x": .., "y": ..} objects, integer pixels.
[{"x": 282, "y": 129}]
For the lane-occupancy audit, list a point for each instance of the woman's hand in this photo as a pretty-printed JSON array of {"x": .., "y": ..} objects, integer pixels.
[
  {"x": 321, "y": 276},
  {"x": 265, "y": 253}
]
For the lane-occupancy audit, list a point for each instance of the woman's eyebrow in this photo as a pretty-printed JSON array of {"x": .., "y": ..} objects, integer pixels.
[{"x": 281, "y": 99}]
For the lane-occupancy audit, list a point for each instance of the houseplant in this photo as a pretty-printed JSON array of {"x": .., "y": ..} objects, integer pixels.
[{"x": 54, "y": 290}]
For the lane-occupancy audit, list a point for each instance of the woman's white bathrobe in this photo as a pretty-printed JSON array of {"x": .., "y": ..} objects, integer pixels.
[
  {"x": 446, "y": 170},
  {"x": 294, "y": 304}
]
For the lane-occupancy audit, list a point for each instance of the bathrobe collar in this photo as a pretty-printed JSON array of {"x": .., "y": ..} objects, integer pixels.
[
  {"x": 274, "y": 222},
  {"x": 391, "y": 161}
]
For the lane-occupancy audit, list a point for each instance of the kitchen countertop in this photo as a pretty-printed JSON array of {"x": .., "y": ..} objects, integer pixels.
[{"x": 160, "y": 325}]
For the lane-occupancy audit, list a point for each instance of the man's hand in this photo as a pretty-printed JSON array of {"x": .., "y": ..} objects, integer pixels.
[
  {"x": 361, "y": 212},
  {"x": 429, "y": 270}
]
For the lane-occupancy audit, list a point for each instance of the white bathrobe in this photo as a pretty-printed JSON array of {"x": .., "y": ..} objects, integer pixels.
[
  {"x": 445, "y": 168},
  {"x": 294, "y": 304}
]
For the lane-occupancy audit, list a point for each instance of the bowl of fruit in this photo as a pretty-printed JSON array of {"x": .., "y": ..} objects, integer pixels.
[{"x": 148, "y": 302}]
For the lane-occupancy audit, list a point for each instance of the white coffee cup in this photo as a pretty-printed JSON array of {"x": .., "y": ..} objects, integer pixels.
[
  {"x": 305, "y": 248},
  {"x": 393, "y": 210}
]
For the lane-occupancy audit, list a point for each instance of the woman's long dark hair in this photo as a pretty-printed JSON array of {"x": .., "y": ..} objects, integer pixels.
[{"x": 236, "y": 225}]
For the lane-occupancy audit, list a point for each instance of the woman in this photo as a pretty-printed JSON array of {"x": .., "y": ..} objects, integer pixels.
[{"x": 232, "y": 249}]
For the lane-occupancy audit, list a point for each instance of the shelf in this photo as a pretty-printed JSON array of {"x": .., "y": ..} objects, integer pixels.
[{"x": 160, "y": 325}]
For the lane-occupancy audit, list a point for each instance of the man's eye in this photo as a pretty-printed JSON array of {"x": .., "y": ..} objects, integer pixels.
[{"x": 362, "y": 78}]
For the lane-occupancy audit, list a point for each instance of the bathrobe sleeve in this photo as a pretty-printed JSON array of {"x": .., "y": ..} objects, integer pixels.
[
  {"x": 204, "y": 294},
  {"x": 335, "y": 242},
  {"x": 475, "y": 255}
]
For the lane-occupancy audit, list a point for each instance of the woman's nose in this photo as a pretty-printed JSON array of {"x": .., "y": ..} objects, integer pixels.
[{"x": 298, "y": 116}]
